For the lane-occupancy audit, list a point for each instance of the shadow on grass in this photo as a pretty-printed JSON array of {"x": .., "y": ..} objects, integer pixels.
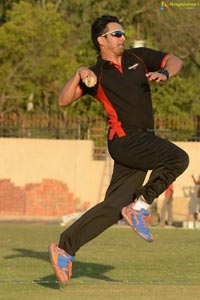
[{"x": 80, "y": 269}]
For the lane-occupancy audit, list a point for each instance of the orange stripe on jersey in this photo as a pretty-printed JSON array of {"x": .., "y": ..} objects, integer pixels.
[
  {"x": 114, "y": 123},
  {"x": 165, "y": 58}
]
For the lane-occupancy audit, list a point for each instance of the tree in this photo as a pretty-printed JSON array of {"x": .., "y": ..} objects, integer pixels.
[
  {"x": 35, "y": 56},
  {"x": 174, "y": 30},
  {"x": 43, "y": 42}
]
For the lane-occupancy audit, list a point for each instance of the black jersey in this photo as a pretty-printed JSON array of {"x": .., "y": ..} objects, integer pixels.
[{"x": 124, "y": 90}]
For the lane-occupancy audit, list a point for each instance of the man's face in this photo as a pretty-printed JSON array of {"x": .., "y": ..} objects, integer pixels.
[{"x": 113, "y": 39}]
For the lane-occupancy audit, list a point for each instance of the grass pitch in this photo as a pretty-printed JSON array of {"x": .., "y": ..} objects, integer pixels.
[{"x": 116, "y": 265}]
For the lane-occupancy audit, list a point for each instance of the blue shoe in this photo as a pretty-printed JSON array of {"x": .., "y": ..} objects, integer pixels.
[
  {"x": 139, "y": 221},
  {"x": 62, "y": 263}
]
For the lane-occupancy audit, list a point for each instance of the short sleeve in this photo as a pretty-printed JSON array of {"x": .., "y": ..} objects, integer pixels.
[{"x": 153, "y": 59}]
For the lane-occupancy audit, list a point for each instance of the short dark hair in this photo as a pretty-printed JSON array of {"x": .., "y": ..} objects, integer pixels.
[{"x": 98, "y": 27}]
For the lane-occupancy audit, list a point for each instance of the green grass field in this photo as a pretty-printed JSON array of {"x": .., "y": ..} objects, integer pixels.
[{"x": 116, "y": 265}]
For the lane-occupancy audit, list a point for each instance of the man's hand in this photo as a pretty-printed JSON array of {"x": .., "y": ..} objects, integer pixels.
[
  {"x": 87, "y": 75},
  {"x": 156, "y": 76}
]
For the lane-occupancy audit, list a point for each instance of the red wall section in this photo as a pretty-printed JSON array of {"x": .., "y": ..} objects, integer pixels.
[{"x": 47, "y": 198}]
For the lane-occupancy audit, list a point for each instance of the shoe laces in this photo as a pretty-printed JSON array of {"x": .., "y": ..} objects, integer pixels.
[{"x": 146, "y": 219}]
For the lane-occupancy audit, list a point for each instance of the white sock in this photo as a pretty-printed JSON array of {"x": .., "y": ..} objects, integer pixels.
[{"x": 140, "y": 203}]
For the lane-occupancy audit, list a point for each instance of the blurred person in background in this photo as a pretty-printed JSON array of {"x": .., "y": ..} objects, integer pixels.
[
  {"x": 166, "y": 215},
  {"x": 194, "y": 204}
]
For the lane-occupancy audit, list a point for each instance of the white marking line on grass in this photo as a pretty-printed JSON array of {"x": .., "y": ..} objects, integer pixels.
[{"x": 134, "y": 281}]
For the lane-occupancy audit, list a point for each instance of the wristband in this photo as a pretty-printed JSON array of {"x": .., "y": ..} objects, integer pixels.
[{"x": 164, "y": 72}]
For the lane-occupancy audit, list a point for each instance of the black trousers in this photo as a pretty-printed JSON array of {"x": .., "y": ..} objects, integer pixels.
[{"x": 133, "y": 156}]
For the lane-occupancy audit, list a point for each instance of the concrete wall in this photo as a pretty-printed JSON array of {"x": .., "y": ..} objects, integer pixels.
[
  {"x": 30, "y": 161},
  {"x": 25, "y": 161}
]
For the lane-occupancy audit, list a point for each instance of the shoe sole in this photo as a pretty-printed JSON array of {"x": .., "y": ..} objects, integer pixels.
[
  {"x": 62, "y": 283},
  {"x": 129, "y": 222}
]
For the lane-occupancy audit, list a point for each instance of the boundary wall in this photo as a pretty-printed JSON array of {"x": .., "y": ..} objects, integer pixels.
[{"x": 51, "y": 178}]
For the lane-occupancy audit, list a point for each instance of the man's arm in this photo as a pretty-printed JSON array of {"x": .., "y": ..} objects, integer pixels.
[
  {"x": 71, "y": 91},
  {"x": 173, "y": 65}
]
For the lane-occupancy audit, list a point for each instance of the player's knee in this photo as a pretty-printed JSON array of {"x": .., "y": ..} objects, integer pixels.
[
  {"x": 183, "y": 161},
  {"x": 186, "y": 160}
]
